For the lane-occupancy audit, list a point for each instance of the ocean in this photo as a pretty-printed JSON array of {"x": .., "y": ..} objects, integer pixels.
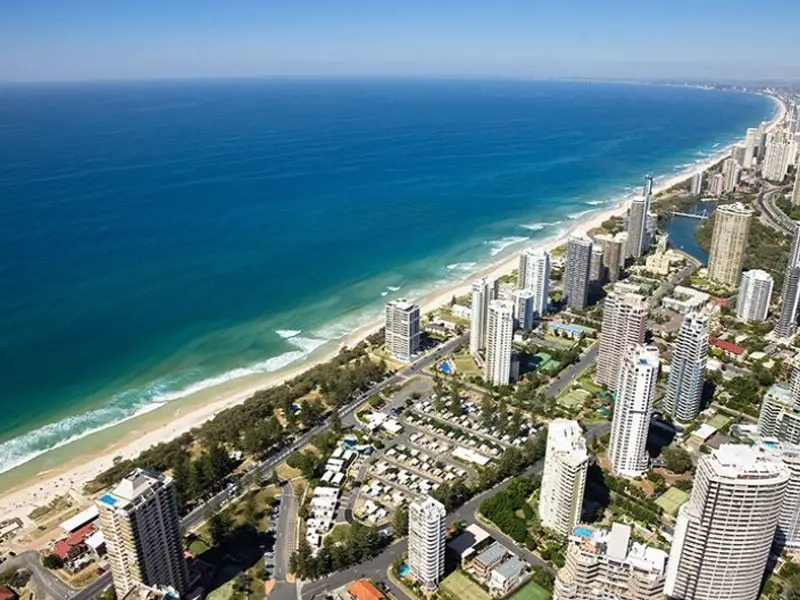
[{"x": 158, "y": 238}]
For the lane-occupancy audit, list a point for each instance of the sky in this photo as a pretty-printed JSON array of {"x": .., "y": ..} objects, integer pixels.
[{"x": 77, "y": 40}]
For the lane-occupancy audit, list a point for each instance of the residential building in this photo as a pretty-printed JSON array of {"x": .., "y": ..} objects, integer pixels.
[
  {"x": 426, "y": 541},
  {"x": 364, "y": 589},
  {"x": 696, "y": 186},
  {"x": 716, "y": 185},
  {"x": 402, "y": 329},
  {"x": 687, "y": 369},
  {"x": 755, "y": 293},
  {"x": 613, "y": 253},
  {"x": 564, "y": 477},
  {"x": 576, "y": 274},
  {"x": 507, "y": 576},
  {"x": 482, "y": 294},
  {"x": 737, "y": 153},
  {"x": 796, "y": 190},
  {"x": 524, "y": 314},
  {"x": 534, "y": 275},
  {"x": 787, "y": 534},
  {"x": 685, "y": 300},
  {"x": 499, "y": 335},
  {"x": 751, "y": 147},
  {"x": 728, "y": 243},
  {"x": 632, "y": 408},
  {"x": 624, "y": 325},
  {"x": 140, "y": 525},
  {"x": 786, "y": 327},
  {"x": 725, "y": 531},
  {"x": 730, "y": 174},
  {"x": 481, "y": 566},
  {"x": 778, "y": 156},
  {"x": 607, "y": 564},
  {"x": 779, "y": 416},
  {"x": 596, "y": 267},
  {"x": 638, "y": 238}
]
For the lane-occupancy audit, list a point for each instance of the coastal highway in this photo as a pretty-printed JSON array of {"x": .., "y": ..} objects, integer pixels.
[{"x": 774, "y": 216}]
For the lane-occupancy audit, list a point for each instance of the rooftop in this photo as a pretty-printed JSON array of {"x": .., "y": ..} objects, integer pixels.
[
  {"x": 511, "y": 567},
  {"x": 491, "y": 554},
  {"x": 616, "y": 545},
  {"x": 134, "y": 486},
  {"x": 363, "y": 589},
  {"x": 740, "y": 461},
  {"x": 402, "y": 304}
]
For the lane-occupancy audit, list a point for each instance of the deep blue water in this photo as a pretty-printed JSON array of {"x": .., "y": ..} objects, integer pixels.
[{"x": 156, "y": 235}]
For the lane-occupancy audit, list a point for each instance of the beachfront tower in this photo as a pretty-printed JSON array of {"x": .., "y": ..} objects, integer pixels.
[
  {"x": 730, "y": 174},
  {"x": 576, "y": 273},
  {"x": 499, "y": 335},
  {"x": 624, "y": 325},
  {"x": 613, "y": 253},
  {"x": 638, "y": 238},
  {"x": 632, "y": 407},
  {"x": 687, "y": 369},
  {"x": 402, "y": 329},
  {"x": 564, "y": 477},
  {"x": 779, "y": 154},
  {"x": 728, "y": 243},
  {"x": 534, "y": 275},
  {"x": 697, "y": 183},
  {"x": 786, "y": 326},
  {"x": 139, "y": 521},
  {"x": 524, "y": 315},
  {"x": 751, "y": 147},
  {"x": 482, "y": 291},
  {"x": 755, "y": 293},
  {"x": 725, "y": 531},
  {"x": 426, "y": 541}
]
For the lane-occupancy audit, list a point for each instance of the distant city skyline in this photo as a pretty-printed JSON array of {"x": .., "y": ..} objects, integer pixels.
[{"x": 46, "y": 40}]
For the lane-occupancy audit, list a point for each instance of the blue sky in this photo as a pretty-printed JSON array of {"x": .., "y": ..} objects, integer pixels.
[{"x": 47, "y": 40}]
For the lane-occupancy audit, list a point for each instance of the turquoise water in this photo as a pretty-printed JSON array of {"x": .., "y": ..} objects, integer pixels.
[{"x": 158, "y": 238}]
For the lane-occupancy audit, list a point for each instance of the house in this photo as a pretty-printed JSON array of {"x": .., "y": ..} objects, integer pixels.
[
  {"x": 363, "y": 589},
  {"x": 74, "y": 544},
  {"x": 487, "y": 560},
  {"x": 469, "y": 543},
  {"x": 507, "y": 576},
  {"x": 728, "y": 347}
]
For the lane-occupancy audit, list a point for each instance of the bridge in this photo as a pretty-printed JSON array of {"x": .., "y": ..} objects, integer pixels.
[{"x": 701, "y": 215}]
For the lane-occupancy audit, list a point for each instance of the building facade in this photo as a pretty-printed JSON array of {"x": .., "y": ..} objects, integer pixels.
[
  {"x": 730, "y": 174},
  {"x": 696, "y": 186},
  {"x": 482, "y": 294},
  {"x": 751, "y": 147},
  {"x": 613, "y": 253},
  {"x": 725, "y": 531},
  {"x": 564, "y": 477},
  {"x": 728, "y": 243},
  {"x": 524, "y": 313},
  {"x": 624, "y": 325},
  {"x": 779, "y": 416},
  {"x": 796, "y": 190},
  {"x": 534, "y": 275},
  {"x": 778, "y": 155},
  {"x": 402, "y": 329},
  {"x": 576, "y": 273},
  {"x": 499, "y": 335},
  {"x": 755, "y": 294},
  {"x": 638, "y": 237},
  {"x": 426, "y": 541},
  {"x": 786, "y": 327},
  {"x": 140, "y": 524},
  {"x": 632, "y": 409},
  {"x": 687, "y": 369}
]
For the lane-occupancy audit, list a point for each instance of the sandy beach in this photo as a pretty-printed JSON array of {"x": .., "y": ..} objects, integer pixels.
[{"x": 128, "y": 439}]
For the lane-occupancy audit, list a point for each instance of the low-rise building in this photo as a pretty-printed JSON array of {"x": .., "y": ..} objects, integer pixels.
[
  {"x": 364, "y": 589},
  {"x": 482, "y": 565},
  {"x": 507, "y": 576},
  {"x": 685, "y": 300},
  {"x": 572, "y": 332}
]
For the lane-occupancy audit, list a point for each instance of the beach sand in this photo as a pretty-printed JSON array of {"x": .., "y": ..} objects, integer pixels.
[{"x": 49, "y": 476}]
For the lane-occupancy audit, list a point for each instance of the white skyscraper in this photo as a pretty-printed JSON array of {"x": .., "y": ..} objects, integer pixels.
[
  {"x": 716, "y": 185},
  {"x": 730, "y": 174},
  {"x": 729, "y": 243},
  {"x": 482, "y": 291},
  {"x": 687, "y": 369},
  {"x": 402, "y": 329},
  {"x": 751, "y": 147},
  {"x": 778, "y": 155},
  {"x": 523, "y": 308},
  {"x": 632, "y": 407},
  {"x": 564, "y": 477},
  {"x": 725, "y": 531},
  {"x": 534, "y": 275},
  {"x": 755, "y": 292},
  {"x": 696, "y": 187},
  {"x": 140, "y": 524},
  {"x": 576, "y": 273},
  {"x": 426, "y": 541},
  {"x": 624, "y": 325},
  {"x": 796, "y": 191},
  {"x": 499, "y": 335},
  {"x": 787, "y": 534},
  {"x": 638, "y": 238},
  {"x": 786, "y": 326}
]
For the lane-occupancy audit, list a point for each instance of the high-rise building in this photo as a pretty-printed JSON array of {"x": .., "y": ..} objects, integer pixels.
[
  {"x": 728, "y": 243},
  {"x": 787, "y": 534},
  {"x": 482, "y": 294},
  {"x": 426, "y": 541},
  {"x": 738, "y": 152},
  {"x": 564, "y": 477},
  {"x": 786, "y": 326},
  {"x": 607, "y": 564},
  {"x": 751, "y": 147},
  {"x": 499, "y": 335},
  {"x": 716, "y": 185},
  {"x": 596, "y": 267},
  {"x": 524, "y": 315},
  {"x": 534, "y": 275},
  {"x": 755, "y": 293},
  {"x": 725, "y": 531},
  {"x": 796, "y": 190},
  {"x": 687, "y": 369},
  {"x": 613, "y": 253},
  {"x": 730, "y": 173},
  {"x": 632, "y": 408},
  {"x": 638, "y": 238},
  {"x": 402, "y": 329},
  {"x": 140, "y": 524},
  {"x": 779, "y": 416},
  {"x": 624, "y": 325},
  {"x": 696, "y": 187},
  {"x": 778, "y": 155},
  {"x": 576, "y": 274}
]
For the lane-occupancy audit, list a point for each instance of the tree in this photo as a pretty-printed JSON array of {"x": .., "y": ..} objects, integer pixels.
[
  {"x": 52, "y": 561},
  {"x": 219, "y": 526},
  {"x": 336, "y": 422},
  {"x": 678, "y": 460},
  {"x": 400, "y": 522}
]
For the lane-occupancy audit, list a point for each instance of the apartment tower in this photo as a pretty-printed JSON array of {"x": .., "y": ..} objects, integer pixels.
[
  {"x": 613, "y": 253},
  {"x": 534, "y": 275},
  {"x": 140, "y": 524},
  {"x": 482, "y": 293},
  {"x": 576, "y": 274},
  {"x": 638, "y": 238},
  {"x": 426, "y": 541},
  {"x": 755, "y": 293},
  {"x": 624, "y": 325},
  {"x": 402, "y": 329},
  {"x": 725, "y": 531},
  {"x": 499, "y": 335},
  {"x": 728, "y": 243},
  {"x": 786, "y": 326},
  {"x": 524, "y": 314},
  {"x": 687, "y": 369}
]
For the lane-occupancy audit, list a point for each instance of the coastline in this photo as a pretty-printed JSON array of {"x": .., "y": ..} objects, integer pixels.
[{"x": 66, "y": 469}]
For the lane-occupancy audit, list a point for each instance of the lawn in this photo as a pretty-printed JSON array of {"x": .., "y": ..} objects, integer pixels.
[
  {"x": 339, "y": 532},
  {"x": 459, "y": 586},
  {"x": 531, "y": 591},
  {"x": 573, "y": 398},
  {"x": 671, "y": 500},
  {"x": 465, "y": 365},
  {"x": 719, "y": 421},
  {"x": 590, "y": 386}
]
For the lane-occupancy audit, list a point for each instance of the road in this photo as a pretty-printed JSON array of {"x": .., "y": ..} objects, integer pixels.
[
  {"x": 569, "y": 374},
  {"x": 774, "y": 216},
  {"x": 286, "y": 531},
  {"x": 47, "y": 582}
]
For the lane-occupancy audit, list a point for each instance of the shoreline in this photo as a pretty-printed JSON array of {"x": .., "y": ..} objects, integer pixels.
[{"x": 38, "y": 481}]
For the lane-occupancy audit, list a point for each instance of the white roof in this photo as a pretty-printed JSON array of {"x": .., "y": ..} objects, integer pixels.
[
  {"x": 95, "y": 540},
  {"x": 81, "y": 519},
  {"x": 470, "y": 456},
  {"x": 704, "y": 432}
]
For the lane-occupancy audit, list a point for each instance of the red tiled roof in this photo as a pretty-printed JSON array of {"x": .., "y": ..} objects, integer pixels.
[
  {"x": 364, "y": 590},
  {"x": 62, "y": 547},
  {"x": 725, "y": 345},
  {"x": 720, "y": 302},
  {"x": 6, "y": 593}
]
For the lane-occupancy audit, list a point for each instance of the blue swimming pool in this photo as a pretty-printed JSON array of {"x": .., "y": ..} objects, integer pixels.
[{"x": 404, "y": 570}]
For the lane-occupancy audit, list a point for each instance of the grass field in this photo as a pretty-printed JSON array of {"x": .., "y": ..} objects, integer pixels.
[
  {"x": 531, "y": 591},
  {"x": 590, "y": 386},
  {"x": 465, "y": 365},
  {"x": 573, "y": 398},
  {"x": 671, "y": 500},
  {"x": 719, "y": 421},
  {"x": 460, "y": 587}
]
